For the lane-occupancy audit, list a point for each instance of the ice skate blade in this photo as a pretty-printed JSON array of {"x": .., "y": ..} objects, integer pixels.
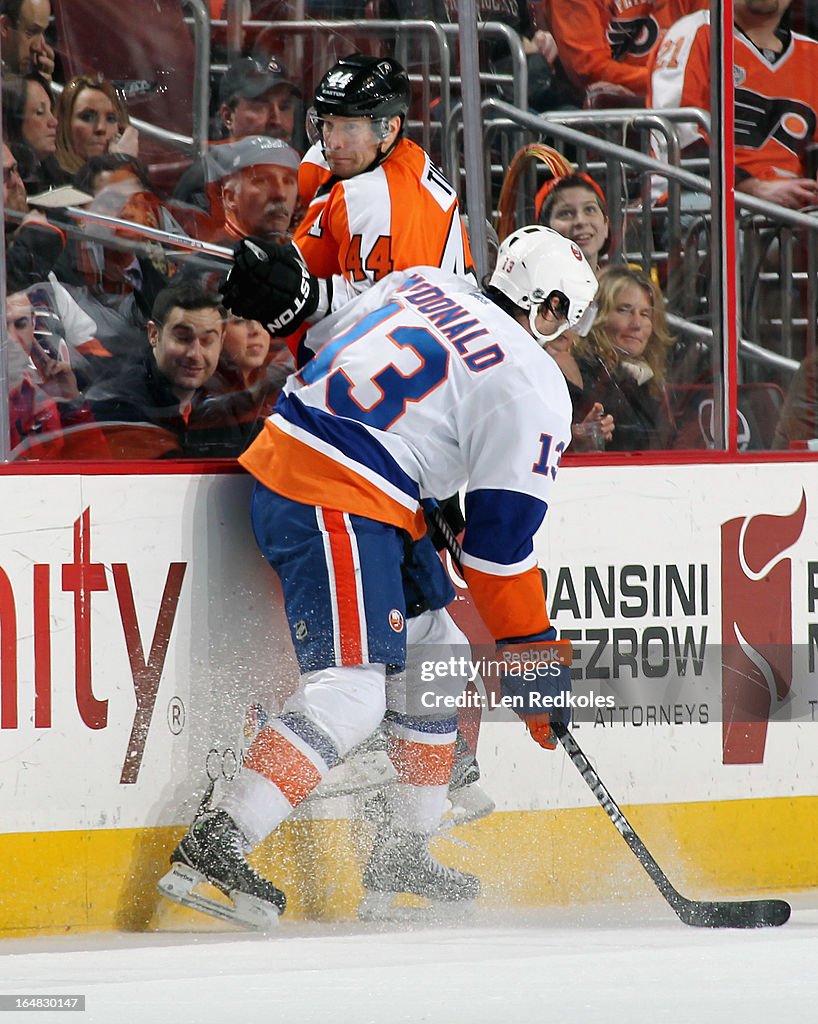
[
  {"x": 380, "y": 907},
  {"x": 364, "y": 772},
  {"x": 470, "y": 803},
  {"x": 246, "y": 911}
]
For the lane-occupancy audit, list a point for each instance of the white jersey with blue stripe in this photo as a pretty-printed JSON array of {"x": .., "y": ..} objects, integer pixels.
[{"x": 423, "y": 386}]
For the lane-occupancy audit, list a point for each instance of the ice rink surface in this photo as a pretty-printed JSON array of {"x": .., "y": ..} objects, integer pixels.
[{"x": 633, "y": 963}]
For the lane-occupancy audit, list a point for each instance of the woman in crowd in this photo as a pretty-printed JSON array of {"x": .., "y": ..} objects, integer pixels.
[
  {"x": 92, "y": 121},
  {"x": 30, "y": 127},
  {"x": 622, "y": 360},
  {"x": 592, "y": 428},
  {"x": 575, "y": 206},
  {"x": 251, "y": 372}
]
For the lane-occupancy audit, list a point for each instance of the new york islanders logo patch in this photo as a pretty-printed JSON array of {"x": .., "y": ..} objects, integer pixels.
[{"x": 396, "y": 620}]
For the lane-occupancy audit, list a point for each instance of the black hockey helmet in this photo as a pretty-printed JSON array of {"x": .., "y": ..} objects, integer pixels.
[{"x": 363, "y": 86}]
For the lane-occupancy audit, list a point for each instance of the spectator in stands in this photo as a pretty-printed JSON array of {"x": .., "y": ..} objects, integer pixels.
[
  {"x": 594, "y": 429},
  {"x": 165, "y": 388},
  {"x": 92, "y": 120},
  {"x": 115, "y": 284},
  {"x": 605, "y": 47},
  {"x": 256, "y": 98},
  {"x": 33, "y": 245},
  {"x": 575, "y": 206},
  {"x": 44, "y": 399},
  {"x": 259, "y": 188},
  {"x": 30, "y": 128},
  {"x": 251, "y": 372},
  {"x": 776, "y": 97},
  {"x": 14, "y": 191},
  {"x": 121, "y": 187},
  {"x": 622, "y": 361},
  {"x": 23, "y": 25},
  {"x": 548, "y": 86}
]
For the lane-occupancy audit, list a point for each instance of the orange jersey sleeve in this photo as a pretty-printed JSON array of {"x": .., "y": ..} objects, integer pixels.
[
  {"x": 509, "y": 605},
  {"x": 313, "y": 174}
]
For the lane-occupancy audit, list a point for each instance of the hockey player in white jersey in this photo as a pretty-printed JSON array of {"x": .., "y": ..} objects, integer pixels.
[{"x": 423, "y": 386}]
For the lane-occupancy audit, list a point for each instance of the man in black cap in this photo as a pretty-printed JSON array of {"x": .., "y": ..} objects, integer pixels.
[{"x": 256, "y": 97}]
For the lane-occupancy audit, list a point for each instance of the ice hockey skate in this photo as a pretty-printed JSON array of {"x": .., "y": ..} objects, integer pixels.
[
  {"x": 365, "y": 769},
  {"x": 400, "y": 863},
  {"x": 213, "y": 851},
  {"x": 468, "y": 801}
]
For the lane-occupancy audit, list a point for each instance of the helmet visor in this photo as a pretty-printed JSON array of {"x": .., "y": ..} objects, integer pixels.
[
  {"x": 352, "y": 131},
  {"x": 583, "y": 326}
]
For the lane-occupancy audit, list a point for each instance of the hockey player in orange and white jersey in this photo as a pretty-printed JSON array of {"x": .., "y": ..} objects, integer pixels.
[
  {"x": 377, "y": 203},
  {"x": 419, "y": 387},
  {"x": 776, "y": 97},
  {"x": 607, "y": 44}
]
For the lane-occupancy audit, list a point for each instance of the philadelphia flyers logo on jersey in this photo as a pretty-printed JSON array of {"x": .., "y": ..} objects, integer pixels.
[
  {"x": 632, "y": 37},
  {"x": 783, "y": 120}
]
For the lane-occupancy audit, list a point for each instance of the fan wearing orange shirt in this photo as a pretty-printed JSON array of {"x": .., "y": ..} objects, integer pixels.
[
  {"x": 776, "y": 97},
  {"x": 606, "y": 45}
]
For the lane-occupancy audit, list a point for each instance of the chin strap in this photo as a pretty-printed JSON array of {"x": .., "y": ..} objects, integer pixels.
[{"x": 544, "y": 339}]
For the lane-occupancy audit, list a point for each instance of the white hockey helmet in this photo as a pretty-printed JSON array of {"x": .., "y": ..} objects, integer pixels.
[{"x": 536, "y": 266}]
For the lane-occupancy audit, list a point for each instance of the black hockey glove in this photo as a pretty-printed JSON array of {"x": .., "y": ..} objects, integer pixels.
[{"x": 268, "y": 282}]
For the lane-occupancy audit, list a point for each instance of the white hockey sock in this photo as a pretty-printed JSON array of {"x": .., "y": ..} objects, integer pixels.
[
  {"x": 256, "y": 805},
  {"x": 331, "y": 711},
  {"x": 418, "y": 808}
]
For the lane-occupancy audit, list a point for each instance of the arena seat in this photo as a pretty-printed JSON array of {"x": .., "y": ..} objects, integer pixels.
[{"x": 759, "y": 406}]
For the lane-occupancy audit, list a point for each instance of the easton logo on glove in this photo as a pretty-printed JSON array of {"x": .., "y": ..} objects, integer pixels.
[
  {"x": 269, "y": 283},
  {"x": 291, "y": 317}
]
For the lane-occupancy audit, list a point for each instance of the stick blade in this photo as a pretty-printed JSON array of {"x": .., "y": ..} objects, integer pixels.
[{"x": 734, "y": 913}]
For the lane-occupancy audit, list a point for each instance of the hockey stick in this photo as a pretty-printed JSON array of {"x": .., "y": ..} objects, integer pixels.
[{"x": 700, "y": 913}]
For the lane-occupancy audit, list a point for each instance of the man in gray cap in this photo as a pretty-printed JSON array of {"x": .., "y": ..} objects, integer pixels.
[
  {"x": 259, "y": 188},
  {"x": 256, "y": 97}
]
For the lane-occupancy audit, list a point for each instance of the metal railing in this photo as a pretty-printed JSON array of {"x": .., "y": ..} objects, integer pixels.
[
  {"x": 629, "y": 176},
  {"x": 780, "y": 271},
  {"x": 424, "y": 47}
]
